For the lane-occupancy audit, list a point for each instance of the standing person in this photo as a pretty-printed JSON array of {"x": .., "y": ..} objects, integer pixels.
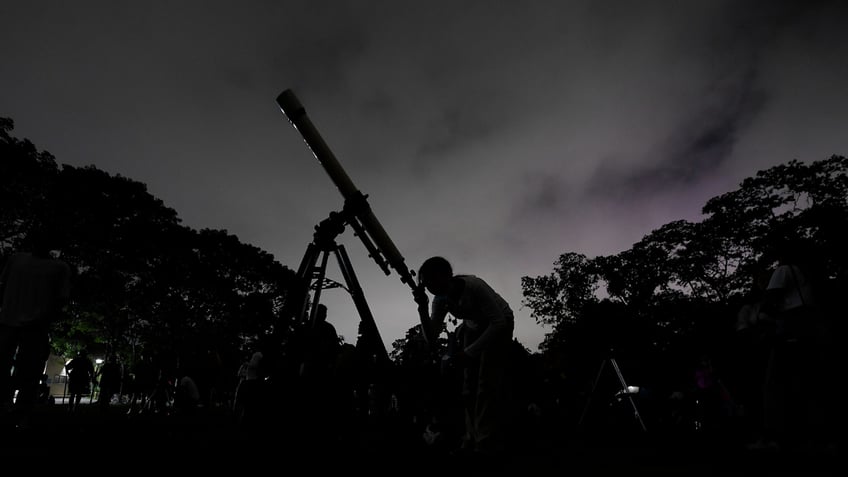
[
  {"x": 241, "y": 377},
  {"x": 488, "y": 323},
  {"x": 322, "y": 347},
  {"x": 110, "y": 375},
  {"x": 80, "y": 377},
  {"x": 142, "y": 381},
  {"x": 250, "y": 394},
  {"x": 317, "y": 371},
  {"x": 34, "y": 286},
  {"x": 794, "y": 378},
  {"x": 752, "y": 347}
]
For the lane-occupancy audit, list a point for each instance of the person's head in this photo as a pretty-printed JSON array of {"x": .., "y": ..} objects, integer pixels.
[
  {"x": 321, "y": 313},
  {"x": 759, "y": 282},
  {"x": 435, "y": 275}
]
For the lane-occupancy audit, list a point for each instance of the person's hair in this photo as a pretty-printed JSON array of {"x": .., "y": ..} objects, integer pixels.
[
  {"x": 321, "y": 312},
  {"x": 435, "y": 266}
]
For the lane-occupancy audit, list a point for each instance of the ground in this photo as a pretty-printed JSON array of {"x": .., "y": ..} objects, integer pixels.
[{"x": 211, "y": 440}]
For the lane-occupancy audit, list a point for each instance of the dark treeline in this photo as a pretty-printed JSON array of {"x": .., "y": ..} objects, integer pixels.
[{"x": 146, "y": 284}]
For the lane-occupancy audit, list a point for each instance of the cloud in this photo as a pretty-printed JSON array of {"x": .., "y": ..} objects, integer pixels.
[{"x": 499, "y": 133}]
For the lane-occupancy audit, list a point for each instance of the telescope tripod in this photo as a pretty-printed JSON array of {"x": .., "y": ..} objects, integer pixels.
[
  {"x": 312, "y": 274},
  {"x": 624, "y": 392}
]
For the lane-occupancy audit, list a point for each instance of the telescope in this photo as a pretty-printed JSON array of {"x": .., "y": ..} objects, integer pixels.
[
  {"x": 356, "y": 212},
  {"x": 361, "y": 218}
]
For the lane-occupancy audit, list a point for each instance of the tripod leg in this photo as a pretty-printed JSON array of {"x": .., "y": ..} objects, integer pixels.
[
  {"x": 627, "y": 393},
  {"x": 320, "y": 273},
  {"x": 296, "y": 309},
  {"x": 361, "y": 304},
  {"x": 591, "y": 394}
]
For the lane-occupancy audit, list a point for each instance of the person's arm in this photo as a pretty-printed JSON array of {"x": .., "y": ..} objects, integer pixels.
[
  {"x": 432, "y": 317},
  {"x": 438, "y": 313}
]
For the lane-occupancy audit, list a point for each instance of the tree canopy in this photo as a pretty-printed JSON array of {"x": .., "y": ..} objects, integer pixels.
[
  {"x": 681, "y": 283},
  {"x": 142, "y": 279}
]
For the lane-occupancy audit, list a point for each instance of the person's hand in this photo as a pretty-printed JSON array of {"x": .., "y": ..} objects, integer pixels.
[{"x": 420, "y": 296}]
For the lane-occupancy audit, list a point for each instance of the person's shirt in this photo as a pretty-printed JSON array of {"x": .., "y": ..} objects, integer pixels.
[
  {"x": 34, "y": 289},
  {"x": 480, "y": 308},
  {"x": 325, "y": 341},
  {"x": 80, "y": 368},
  {"x": 792, "y": 286},
  {"x": 188, "y": 389},
  {"x": 110, "y": 374},
  {"x": 254, "y": 366}
]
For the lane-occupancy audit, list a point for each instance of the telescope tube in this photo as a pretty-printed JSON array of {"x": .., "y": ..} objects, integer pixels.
[{"x": 296, "y": 114}]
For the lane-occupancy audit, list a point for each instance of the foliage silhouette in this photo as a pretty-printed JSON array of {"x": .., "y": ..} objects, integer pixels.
[
  {"x": 676, "y": 290},
  {"x": 143, "y": 280}
]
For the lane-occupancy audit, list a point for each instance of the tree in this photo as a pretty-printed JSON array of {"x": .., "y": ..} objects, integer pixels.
[
  {"x": 27, "y": 178},
  {"x": 685, "y": 278},
  {"x": 143, "y": 280}
]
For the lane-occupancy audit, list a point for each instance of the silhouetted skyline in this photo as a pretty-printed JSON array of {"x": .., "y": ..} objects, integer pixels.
[{"x": 498, "y": 136}]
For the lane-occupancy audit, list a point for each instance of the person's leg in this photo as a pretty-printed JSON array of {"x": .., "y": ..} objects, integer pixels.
[
  {"x": 29, "y": 366},
  {"x": 470, "y": 378},
  {"x": 105, "y": 398},
  {"x": 469, "y": 404},
  {"x": 491, "y": 409},
  {"x": 776, "y": 395},
  {"x": 133, "y": 402},
  {"x": 8, "y": 347}
]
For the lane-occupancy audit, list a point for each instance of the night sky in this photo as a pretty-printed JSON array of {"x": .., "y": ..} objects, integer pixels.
[{"x": 497, "y": 134}]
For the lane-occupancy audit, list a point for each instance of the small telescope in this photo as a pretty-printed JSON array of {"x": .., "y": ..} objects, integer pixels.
[
  {"x": 360, "y": 217},
  {"x": 356, "y": 213}
]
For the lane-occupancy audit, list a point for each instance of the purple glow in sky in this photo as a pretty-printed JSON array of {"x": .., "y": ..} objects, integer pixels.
[{"x": 497, "y": 134}]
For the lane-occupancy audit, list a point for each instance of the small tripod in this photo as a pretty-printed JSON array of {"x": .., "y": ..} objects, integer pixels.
[{"x": 624, "y": 392}]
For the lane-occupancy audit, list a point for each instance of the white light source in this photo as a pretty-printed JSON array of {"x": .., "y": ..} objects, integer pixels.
[{"x": 98, "y": 361}]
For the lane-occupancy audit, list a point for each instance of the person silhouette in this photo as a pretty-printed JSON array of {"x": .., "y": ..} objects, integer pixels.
[
  {"x": 252, "y": 391},
  {"x": 142, "y": 382},
  {"x": 752, "y": 347},
  {"x": 317, "y": 371},
  {"x": 80, "y": 376},
  {"x": 322, "y": 347},
  {"x": 793, "y": 412},
  {"x": 110, "y": 374},
  {"x": 35, "y": 287},
  {"x": 488, "y": 323}
]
